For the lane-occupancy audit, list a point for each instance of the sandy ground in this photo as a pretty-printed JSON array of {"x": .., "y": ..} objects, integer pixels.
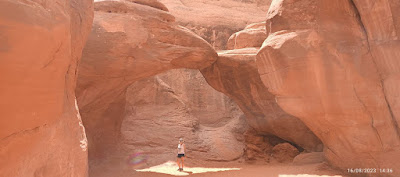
[{"x": 229, "y": 169}]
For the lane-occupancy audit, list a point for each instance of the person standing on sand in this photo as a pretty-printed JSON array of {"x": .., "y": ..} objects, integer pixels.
[{"x": 181, "y": 154}]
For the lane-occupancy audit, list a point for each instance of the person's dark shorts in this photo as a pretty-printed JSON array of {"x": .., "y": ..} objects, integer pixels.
[{"x": 181, "y": 155}]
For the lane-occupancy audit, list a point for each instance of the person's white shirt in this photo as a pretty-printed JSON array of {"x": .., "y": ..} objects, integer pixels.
[{"x": 181, "y": 148}]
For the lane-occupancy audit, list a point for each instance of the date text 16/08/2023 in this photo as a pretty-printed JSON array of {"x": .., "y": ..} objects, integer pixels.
[{"x": 370, "y": 170}]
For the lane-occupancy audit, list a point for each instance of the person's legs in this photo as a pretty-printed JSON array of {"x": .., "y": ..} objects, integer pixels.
[
  {"x": 177, "y": 162},
  {"x": 182, "y": 159}
]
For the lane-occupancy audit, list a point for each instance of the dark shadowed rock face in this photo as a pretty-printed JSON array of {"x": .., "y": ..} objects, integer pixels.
[
  {"x": 335, "y": 66},
  {"x": 41, "y": 133}
]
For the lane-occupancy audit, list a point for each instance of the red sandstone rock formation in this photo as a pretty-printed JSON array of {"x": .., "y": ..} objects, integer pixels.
[
  {"x": 41, "y": 133},
  {"x": 309, "y": 158},
  {"x": 206, "y": 119},
  {"x": 208, "y": 105},
  {"x": 215, "y": 21},
  {"x": 384, "y": 44},
  {"x": 152, "y": 3},
  {"x": 213, "y": 13},
  {"x": 161, "y": 109},
  {"x": 284, "y": 152},
  {"x": 252, "y": 36},
  {"x": 129, "y": 42},
  {"x": 335, "y": 66},
  {"x": 235, "y": 74},
  {"x": 332, "y": 64}
]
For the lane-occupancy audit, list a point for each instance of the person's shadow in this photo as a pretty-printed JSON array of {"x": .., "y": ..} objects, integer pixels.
[{"x": 185, "y": 171}]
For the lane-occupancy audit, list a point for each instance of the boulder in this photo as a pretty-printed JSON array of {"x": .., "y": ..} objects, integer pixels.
[
  {"x": 252, "y": 36},
  {"x": 309, "y": 158},
  {"x": 284, "y": 152}
]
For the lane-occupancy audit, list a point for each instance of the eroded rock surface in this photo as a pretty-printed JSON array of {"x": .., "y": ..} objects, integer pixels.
[
  {"x": 338, "y": 74},
  {"x": 252, "y": 36},
  {"x": 384, "y": 44},
  {"x": 129, "y": 42},
  {"x": 309, "y": 158},
  {"x": 161, "y": 109},
  {"x": 179, "y": 103},
  {"x": 215, "y": 21},
  {"x": 235, "y": 74},
  {"x": 284, "y": 152},
  {"x": 41, "y": 133}
]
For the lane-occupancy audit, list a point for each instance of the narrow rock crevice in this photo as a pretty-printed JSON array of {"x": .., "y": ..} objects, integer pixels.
[
  {"x": 22, "y": 132},
  {"x": 370, "y": 115},
  {"x": 395, "y": 123},
  {"x": 54, "y": 57}
]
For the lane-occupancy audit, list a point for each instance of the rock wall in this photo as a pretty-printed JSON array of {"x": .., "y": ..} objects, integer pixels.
[
  {"x": 207, "y": 104},
  {"x": 130, "y": 41},
  {"x": 383, "y": 41},
  {"x": 334, "y": 66},
  {"x": 41, "y": 133},
  {"x": 179, "y": 103},
  {"x": 331, "y": 64},
  {"x": 161, "y": 109},
  {"x": 215, "y": 21},
  {"x": 235, "y": 74}
]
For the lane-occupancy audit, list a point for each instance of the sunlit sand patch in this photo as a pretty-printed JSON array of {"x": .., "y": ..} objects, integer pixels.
[
  {"x": 171, "y": 168},
  {"x": 307, "y": 175},
  {"x": 83, "y": 142}
]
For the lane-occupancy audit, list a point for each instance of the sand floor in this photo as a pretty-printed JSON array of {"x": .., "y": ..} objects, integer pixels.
[{"x": 241, "y": 170}]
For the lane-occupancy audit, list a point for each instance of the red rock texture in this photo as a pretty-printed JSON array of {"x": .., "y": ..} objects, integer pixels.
[
  {"x": 252, "y": 36},
  {"x": 41, "y": 133},
  {"x": 258, "y": 147},
  {"x": 383, "y": 41},
  {"x": 235, "y": 74},
  {"x": 215, "y": 21},
  {"x": 161, "y": 109},
  {"x": 331, "y": 67},
  {"x": 209, "y": 122},
  {"x": 129, "y": 42},
  {"x": 204, "y": 102},
  {"x": 334, "y": 65},
  {"x": 213, "y": 13},
  {"x": 309, "y": 158},
  {"x": 152, "y": 3},
  {"x": 284, "y": 152}
]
